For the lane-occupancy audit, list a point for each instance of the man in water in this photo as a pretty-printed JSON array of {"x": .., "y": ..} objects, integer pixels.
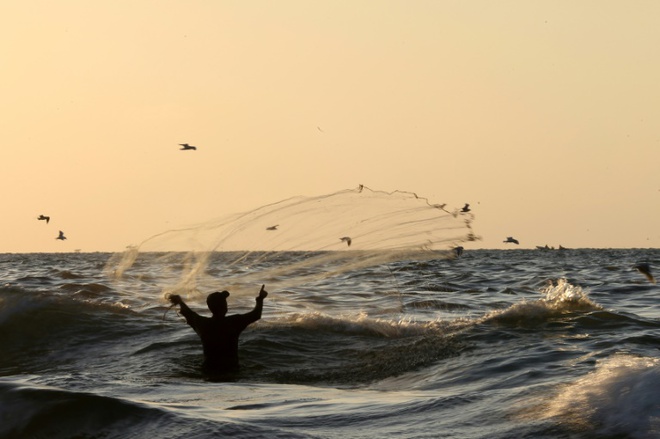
[{"x": 219, "y": 334}]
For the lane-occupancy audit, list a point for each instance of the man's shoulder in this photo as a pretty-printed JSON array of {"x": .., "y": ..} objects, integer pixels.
[{"x": 248, "y": 317}]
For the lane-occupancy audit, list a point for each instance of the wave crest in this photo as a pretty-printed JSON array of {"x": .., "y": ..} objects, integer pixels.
[
  {"x": 618, "y": 398},
  {"x": 560, "y": 298}
]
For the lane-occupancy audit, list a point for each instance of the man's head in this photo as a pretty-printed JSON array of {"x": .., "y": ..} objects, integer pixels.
[{"x": 217, "y": 303}]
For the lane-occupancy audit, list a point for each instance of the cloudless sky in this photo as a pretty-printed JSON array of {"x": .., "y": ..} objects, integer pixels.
[{"x": 544, "y": 115}]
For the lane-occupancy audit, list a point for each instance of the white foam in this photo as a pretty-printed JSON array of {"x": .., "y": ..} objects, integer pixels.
[
  {"x": 361, "y": 323},
  {"x": 558, "y": 298},
  {"x": 620, "y": 397}
]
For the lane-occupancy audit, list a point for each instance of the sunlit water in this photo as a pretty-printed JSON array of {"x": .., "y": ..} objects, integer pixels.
[{"x": 495, "y": 344}]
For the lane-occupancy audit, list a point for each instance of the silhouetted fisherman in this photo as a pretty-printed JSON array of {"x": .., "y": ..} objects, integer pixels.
[{"x": 219, "y": 333}]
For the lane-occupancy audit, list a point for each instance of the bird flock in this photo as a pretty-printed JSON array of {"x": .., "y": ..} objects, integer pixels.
[
  {"x": 62, "y": 237},
  {"x": 46, "y": 218},
  {"x": 643, "y": 268}
]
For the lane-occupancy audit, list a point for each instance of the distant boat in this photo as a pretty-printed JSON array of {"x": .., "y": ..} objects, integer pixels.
[{"x": 546, "y": 248}]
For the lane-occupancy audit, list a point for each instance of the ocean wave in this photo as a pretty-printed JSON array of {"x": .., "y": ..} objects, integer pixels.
[
  {"x": 66, "y": 274},
  {"x": 40, "y": 331},
  {"x": 29, "y": 411},
  {"x": 318, "y": 349},
  {"x": 601, "y": 319},
  {"x": 20, "y": 307},
  {"x": 87, "y": 290},
  {"x": 38, "y": 280},
  {"x": 362, "y": 324},
  {"x": 560, "y": 298},
  {"x": 619, "y": 398},
  {"x": 15, "y": 302},
  {"x": 55, "y": 413}
]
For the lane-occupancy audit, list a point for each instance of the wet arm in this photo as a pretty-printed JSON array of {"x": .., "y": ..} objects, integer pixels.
[
  {"x": 188, "y": 313},
  {"x": 184, "y": 310},
  {"x": 255, "y": 314}
]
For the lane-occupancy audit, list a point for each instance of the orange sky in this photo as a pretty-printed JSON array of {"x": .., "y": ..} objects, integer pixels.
[{"x": 544, "y": 115}]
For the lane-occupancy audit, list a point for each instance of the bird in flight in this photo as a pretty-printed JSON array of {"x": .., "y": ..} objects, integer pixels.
[
  {"x": 272, "y": 227},
  {"x": 645, "y": 269},
  {"x": 511, "y": 240},
  {"x": 347, "y": 240},
  {"x": 465, "y": 208},
  {"x": 43, "y": 218},
  {"x": 61, "y": 236},
  {"x": 187, "y": 147}
]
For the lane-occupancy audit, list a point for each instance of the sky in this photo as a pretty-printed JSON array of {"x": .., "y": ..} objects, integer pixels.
[{"x": 544, "y": 115}]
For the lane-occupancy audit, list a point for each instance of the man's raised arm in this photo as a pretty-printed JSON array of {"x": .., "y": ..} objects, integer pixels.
[{"x": 188, "y": 313}]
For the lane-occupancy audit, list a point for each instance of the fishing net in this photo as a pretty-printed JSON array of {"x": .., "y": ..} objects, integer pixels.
[{"x": 303, "y": 239}]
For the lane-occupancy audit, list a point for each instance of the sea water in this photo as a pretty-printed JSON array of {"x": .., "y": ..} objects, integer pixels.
[{"x": 494, "y": 344}]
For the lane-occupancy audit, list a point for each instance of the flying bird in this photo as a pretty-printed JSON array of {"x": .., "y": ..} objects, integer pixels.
[
  {"x": 347, "y": 240},
  {"x": 43, "y": 218},
  {"x": 61, "y": 236},
  {"x": 465, "y": 208},
  {"x": 645, "y": 269},
  {"x": 187, "y": 147},
  {"x": 272, "y": 227},
  {"x": 511, "y": 240}
]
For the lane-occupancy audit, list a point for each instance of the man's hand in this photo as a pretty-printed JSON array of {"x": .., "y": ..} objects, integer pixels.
[
  {"x": 175, "y": 299},
  {"x": 262, "y": 293}
]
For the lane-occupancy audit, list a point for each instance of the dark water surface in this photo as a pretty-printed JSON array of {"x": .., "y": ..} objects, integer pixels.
[{"x": 496, "y": 344}]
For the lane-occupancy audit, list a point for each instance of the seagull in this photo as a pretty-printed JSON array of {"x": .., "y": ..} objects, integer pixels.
[
  {"x": 61, "y": 236},
  {"x": 645, "y": 269},
  {"x": 511, "y": 240},
  {"x": 43, "y": 218},
  {"x": 187, "y": 147},
  {"x": 465, "y": 208},
  {"x": 347, "y": 239},
  {"x": 272, "y": 227}
]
